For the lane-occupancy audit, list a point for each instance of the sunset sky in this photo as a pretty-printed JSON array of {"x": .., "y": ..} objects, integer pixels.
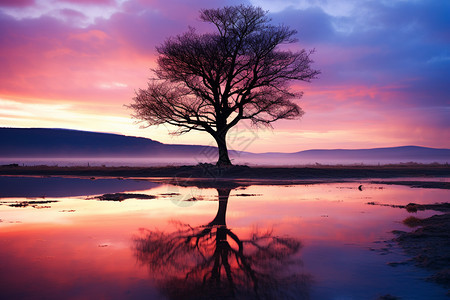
[{"x": 385, "y": 69}]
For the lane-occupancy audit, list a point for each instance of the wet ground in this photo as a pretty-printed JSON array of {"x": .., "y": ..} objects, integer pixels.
[{"x": 68, "y": 238}]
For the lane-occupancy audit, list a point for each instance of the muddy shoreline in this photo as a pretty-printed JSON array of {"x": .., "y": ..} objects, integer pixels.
[
  {"x": 207, "y": 171},
  {"x": 428, "y": 244}
]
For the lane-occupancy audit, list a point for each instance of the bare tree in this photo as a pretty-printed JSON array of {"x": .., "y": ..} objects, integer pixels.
[
  {"x": 213, "y": 262},
  {"x": 209, "y": 82}
]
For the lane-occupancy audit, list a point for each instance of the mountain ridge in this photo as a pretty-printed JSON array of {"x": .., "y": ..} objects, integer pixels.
[{"x": 59, "y": 142}]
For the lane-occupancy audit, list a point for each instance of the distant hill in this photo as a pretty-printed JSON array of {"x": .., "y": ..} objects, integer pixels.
[
  {"x": 47, "y": 142},
  {"x": 391, "y": 152},
  {"x": 367, "y": 156},
  {"x": 65, "y": 143}
]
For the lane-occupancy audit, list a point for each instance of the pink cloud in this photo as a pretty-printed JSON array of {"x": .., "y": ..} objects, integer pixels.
[
  {"x": 16, "y": 3},
  {"x": 90, "y": 2},
  {"x": 104, "y": 62},
  {"x": 66, "y": 63}
]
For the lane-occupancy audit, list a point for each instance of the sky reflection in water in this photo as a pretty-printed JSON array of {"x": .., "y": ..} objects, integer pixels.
[{"x": 308, "y": 242}]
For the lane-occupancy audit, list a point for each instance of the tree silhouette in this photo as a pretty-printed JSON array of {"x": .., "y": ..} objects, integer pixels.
[
  {"x": 209, "y": 82},
  {"x": 212, "y": 262}
]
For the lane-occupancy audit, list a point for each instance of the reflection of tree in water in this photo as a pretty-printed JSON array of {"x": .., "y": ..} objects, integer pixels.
[{"x": 211, "y": 261}]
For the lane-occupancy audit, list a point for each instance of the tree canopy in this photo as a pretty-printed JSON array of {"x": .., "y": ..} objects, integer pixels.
[{"x": 211, "y": 81}]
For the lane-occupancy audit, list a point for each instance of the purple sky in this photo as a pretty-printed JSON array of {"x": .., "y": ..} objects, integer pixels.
[{"x": 385, "y": 69}]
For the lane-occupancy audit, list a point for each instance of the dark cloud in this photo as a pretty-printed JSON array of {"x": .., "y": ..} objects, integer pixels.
[
  {"x": 404, "y": 44},
  {"x": 425, "y": 20},
  {"x": 313, "y": 24}
]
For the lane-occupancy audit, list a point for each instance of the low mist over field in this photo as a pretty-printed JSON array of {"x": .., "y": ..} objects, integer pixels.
[{"x": 33, "y": 146}]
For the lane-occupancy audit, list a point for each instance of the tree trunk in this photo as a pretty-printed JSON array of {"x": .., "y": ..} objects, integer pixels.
[
  {"x": 224, "y": 159},
  {"x": 224, "y": 193}
]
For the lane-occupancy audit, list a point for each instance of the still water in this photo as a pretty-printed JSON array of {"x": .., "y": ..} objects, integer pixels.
[{"x": 322, "y": 241}]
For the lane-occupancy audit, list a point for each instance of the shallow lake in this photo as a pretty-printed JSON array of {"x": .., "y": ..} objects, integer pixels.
[{"x": 321, "y": 241}]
